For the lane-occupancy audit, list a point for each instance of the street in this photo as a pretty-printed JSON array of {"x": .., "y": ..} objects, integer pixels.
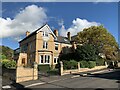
[
  {"x": 104, "y": 80},
  {"x": 99, "y": 80}
]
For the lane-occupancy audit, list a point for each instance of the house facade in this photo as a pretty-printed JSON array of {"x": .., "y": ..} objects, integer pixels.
[{"x": 45, "y": 46}]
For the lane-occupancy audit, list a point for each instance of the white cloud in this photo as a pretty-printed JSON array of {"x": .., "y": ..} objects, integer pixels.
[
  {"x": 30, "y": 18},
  {"x": 77, "y": 26}
]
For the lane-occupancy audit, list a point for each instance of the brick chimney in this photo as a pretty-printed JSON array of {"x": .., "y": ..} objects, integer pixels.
[
  {"x": 74, "y": 45},
  {"x": 56, "y": 32},
  {"x": 27, "y": 33},
  {"x": 68, "y": 36}
]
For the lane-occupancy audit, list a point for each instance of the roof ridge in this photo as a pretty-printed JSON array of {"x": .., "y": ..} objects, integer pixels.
[{"x": 33, "y": 32}]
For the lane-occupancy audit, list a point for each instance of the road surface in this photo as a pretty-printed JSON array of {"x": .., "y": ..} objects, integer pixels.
[{"x": 104, "y": 80}]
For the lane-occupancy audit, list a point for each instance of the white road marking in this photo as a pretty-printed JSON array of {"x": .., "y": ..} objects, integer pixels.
[
  {"x": 7, "y": 86},
  {"x": 75, "y": 76},
  {"x": 35, "y": 84},
  {"x": 54, "y": 81},
  {"x": 85, "y": 74}
]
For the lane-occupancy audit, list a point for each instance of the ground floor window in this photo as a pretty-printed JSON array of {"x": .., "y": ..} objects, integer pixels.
[
  {"x": 41, "y": 59},
  {"x": 47, "y": 59},
  {"x": 44, "y": 59},
  {"x": 55, "y": 60}
]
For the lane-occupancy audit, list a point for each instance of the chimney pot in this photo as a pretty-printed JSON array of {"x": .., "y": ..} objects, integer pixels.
[
  {"x": 27, "y": 33},
  {"x": 56, "y": 32},
  {"x": 69, "y": 36}
]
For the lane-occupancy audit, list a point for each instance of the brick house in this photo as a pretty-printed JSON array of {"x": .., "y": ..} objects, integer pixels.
[{"x": 44, "y": 46}]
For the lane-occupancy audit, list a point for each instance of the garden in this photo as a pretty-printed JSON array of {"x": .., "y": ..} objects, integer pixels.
[{"x": 95, "y": 46}]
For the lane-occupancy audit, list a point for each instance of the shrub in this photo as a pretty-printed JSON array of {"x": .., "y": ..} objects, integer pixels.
[
  {"x": 72, "y": 64},
  {"x": 100, "y": 62},
  {"x": 45, "y": 67},
  {"x": 110, "y": 64},
  {"x": 57, "y": 66},
  {"x": 8, "y": 63},
  {"x": 91, "y": 64},
  {"x": 87, "y": 64},
  {"x": 84, "y": 64},
  {"x": 2, "y": 56}
]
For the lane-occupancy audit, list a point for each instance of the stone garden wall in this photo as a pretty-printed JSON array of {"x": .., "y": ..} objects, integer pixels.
[
  {"x": 64, "y": 72},
  {"x": 24, "y": 73}
]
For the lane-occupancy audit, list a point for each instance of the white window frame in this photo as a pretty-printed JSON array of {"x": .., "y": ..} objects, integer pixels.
[
  {"x": 55, "y": 58},
  {"x": 46, "y": 61},
  {"x": 56, "y": 45},
  {"x": 45, "y": 45},
  {"x": 40, "y": 59},
  {"x": 45, "y": 34}
]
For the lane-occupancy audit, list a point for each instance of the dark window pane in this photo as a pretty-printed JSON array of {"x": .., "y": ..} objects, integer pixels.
[
  {"x": 41, "y": 58},
  {"x": 23, "y": 60},
  {"x": 54, "y": 60}
]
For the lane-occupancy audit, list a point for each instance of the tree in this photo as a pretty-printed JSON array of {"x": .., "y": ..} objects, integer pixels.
[
  {"x": 2, "y": 57},
  {"x": 6, "y": 52},
  {"x": 99, "y": 37},
  {"x": 87, "y": 52}
]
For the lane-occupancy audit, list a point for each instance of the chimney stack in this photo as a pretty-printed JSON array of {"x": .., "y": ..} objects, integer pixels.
[
  {"x": 56, "y": 32},
  {"x": 68, "y": 35},
  {"x": 27, "y": 33}
]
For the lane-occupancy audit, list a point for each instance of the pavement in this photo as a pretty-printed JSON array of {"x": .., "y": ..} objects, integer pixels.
[{"x": 78, "y": 80}]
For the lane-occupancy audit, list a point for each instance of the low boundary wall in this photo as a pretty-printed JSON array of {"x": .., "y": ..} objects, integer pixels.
[
  {"x": 64, "y": 72},
  {"x": 26, "y": 74}
]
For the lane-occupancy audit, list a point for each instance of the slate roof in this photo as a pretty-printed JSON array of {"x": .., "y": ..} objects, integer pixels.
[
  {"x": 62, "y": 39},
  {"x": 73, "y": 38}
]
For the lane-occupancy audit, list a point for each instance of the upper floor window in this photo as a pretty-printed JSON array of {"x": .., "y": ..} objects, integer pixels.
[
  {"x": 30, "y": 46},
  {"x": 24, "y": 48},
  {"x": 45, "y": 34},
  {"x": 56, "y": 46},
  {"x": 45, "y": 44}
]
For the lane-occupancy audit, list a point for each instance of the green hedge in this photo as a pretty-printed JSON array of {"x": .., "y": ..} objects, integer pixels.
[
  {"x": 8, "y": 63},
  {"x": 87, "y": 64},
  {"x": 100, "y": 62},
  {"x": 91, "y": 64},
  {"x": 72, "y": 64},
  {"x": 84, "y": 64}
]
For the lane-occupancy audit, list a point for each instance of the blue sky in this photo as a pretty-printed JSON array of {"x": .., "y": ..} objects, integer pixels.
[{"x": 62, "y": 16}]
